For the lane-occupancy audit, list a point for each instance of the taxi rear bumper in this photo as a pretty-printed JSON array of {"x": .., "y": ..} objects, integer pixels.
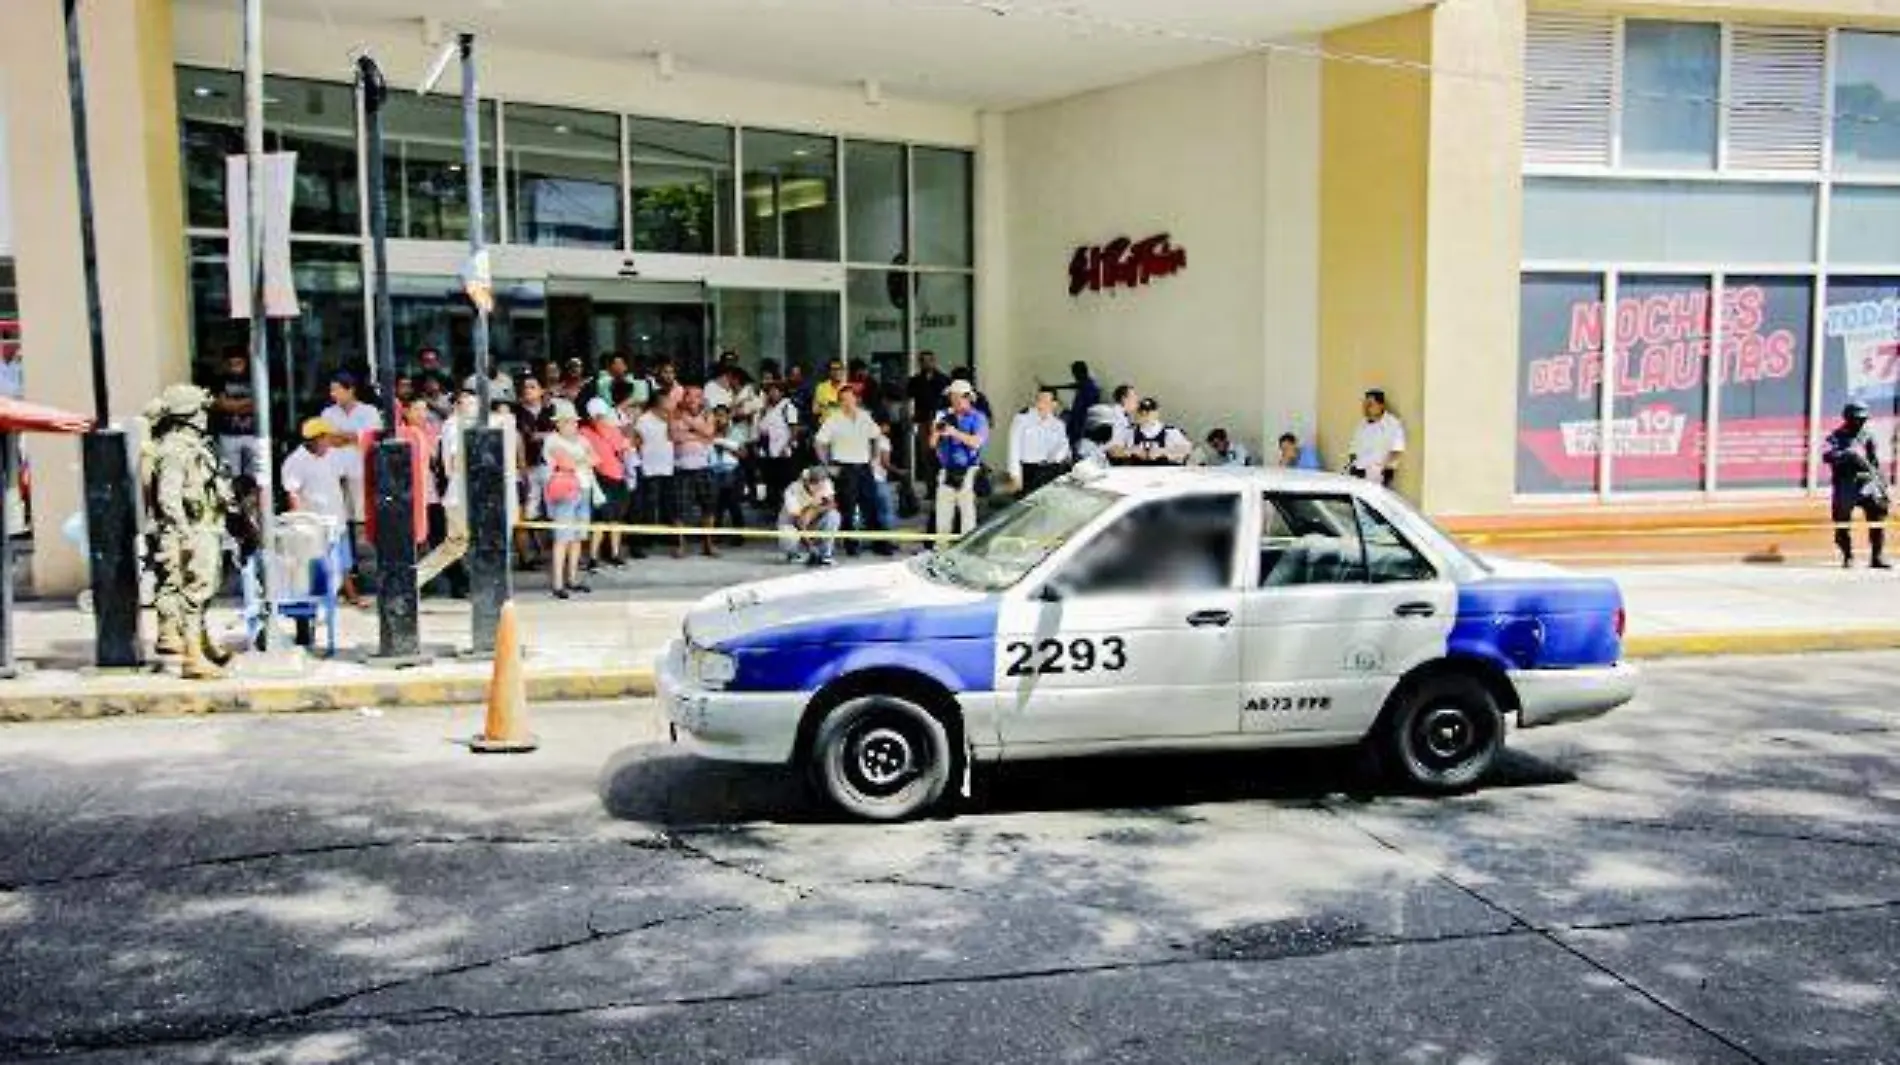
[
  {"x": 1554, "y": 696},
  {"x": 725, "y": 726}
]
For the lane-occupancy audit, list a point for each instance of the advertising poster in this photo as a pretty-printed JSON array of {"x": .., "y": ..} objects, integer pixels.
[
  {"x": 1861, "y": 332},
  {"x": 1765, "y": 375},
  {"x": 1660, "y": 335}
]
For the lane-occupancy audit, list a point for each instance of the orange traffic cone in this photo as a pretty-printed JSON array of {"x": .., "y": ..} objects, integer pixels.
[{"x": 506, "y": 730}]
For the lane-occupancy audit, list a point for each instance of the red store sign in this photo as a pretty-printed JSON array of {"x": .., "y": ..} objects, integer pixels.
[{"x": 1124, "y": 263}]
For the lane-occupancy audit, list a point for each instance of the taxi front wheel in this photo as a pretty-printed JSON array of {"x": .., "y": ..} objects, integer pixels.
[
  {"x": 1444, "y": 734},
  {"x": 881, "y": 758}
]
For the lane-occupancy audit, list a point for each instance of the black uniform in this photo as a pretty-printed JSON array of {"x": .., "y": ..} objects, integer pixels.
[{"x": 1852, "y": 454}]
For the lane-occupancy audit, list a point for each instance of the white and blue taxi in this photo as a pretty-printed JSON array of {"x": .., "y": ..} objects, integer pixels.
[{"x": 1131, "y": 610}]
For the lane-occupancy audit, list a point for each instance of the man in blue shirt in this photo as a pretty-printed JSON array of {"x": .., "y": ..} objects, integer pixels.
[{"x": 958, "y": 438}]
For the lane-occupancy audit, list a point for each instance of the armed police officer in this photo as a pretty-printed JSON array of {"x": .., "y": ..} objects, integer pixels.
[
  {"x": 191, "y": 502},
  {"x": 1854, "y": 457}
]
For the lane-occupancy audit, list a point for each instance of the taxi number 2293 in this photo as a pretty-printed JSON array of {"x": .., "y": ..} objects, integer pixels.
[{"x": 1051, "y": 656}]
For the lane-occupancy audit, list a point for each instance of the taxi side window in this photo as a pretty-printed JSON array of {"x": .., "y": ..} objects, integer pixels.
[
  {"x": 1310, "y": 540},
  {"x": 1171, "y": 545},
  {"x": 1389, "y": 558}
]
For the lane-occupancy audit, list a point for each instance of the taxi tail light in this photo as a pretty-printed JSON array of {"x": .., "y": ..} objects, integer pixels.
[{"x": 1622, "y": 621}]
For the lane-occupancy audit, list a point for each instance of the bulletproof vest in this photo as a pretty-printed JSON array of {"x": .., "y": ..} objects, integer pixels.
[{"x": 1157, "y": 439}]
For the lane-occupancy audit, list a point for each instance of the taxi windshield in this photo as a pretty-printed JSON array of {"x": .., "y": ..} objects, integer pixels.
[{"x": 1004, "y": 549}]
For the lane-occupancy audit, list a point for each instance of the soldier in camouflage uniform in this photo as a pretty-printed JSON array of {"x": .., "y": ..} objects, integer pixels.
[
  {"x": 1854, "y": 457},
  {"x": 190, "y": 501}
]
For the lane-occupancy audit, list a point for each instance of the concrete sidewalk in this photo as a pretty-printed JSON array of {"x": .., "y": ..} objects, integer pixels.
[{"x": 602, "y": 646}]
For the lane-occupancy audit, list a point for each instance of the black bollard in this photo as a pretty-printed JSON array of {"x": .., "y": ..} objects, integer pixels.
[
  {"x": 112, "y": 532},
  {"x": 490, "y": 569},
  {"x": 396, "y": 595}
]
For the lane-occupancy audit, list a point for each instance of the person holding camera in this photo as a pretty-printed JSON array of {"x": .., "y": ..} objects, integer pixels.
[{"x": 958, "y": 437}]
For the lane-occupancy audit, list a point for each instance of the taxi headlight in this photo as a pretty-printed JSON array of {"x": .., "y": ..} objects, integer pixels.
[{"x": 713, "y": 669}]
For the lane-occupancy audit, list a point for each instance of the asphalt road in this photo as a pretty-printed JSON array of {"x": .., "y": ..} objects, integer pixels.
[{"x": 1712, "y": 874}]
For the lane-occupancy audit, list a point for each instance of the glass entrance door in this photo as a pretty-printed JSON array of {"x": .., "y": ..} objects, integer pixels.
[{"x": 647, "y": 321}]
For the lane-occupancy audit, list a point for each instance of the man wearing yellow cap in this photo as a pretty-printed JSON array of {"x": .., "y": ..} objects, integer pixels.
[{"x": 316, "y": 482}]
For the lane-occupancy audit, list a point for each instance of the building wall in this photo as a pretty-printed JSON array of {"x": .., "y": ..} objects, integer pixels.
[
  {"x": 138, "y": 221},
  {"x": 1375, "y": 152},
  {"x": 1420, "y": 234},
  {"x": 1474, "y": 219},
  {"x": 1220, "y": 157}
]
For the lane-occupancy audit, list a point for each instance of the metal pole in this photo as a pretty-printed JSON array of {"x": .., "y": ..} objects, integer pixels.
[
  {"x": 111, "y": 495},
  {"x": 485, "y": 479},
  {"x": 260, "y": 323},
  {"x": 477, "y": 222},
  {"x": 397, "y": 598}
]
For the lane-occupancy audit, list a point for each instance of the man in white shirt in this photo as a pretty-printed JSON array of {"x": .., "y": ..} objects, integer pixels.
[
  {"x": 314, "y": 484},
  {"x": 808, "y": 519},
  {"x": 778, "y": 435},
  {"x": 847, "y": 441},
  {"x": 454, "y": 453},
  {"x": 1038, "y": 445},
  {"x": 1379, "y": 442},
  {"x": 656, "y": 499},
  {"x": 1127, "y": 410},
  {"x": 350, "y": 418}
]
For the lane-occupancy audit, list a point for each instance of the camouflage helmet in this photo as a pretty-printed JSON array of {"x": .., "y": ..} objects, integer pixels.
[{"x": 183, "y": 401}]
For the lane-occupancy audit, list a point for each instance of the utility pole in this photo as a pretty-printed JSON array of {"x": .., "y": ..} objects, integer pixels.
[
  {"x": 260, "y": 323},
  {"x": 489, "y": 566},
  {"x": 111, "y": 495}
]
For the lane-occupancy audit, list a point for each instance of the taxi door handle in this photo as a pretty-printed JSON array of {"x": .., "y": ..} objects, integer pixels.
[
  {"x": 1202, "y": 618},
  {"x": 1415, "y": 610}
]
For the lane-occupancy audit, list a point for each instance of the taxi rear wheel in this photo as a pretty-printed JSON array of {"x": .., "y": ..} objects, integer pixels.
[
  {"x": 881, "y": 758},
  {"x": 1444, "y": 734}
]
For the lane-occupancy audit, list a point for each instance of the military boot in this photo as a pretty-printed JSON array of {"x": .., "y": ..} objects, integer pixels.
[
  {"x": 197, "y": 666},
  {"x": 171, "y": 639}
]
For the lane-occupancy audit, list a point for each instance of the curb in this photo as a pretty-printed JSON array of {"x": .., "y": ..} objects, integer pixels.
[
  {"x": 180, "y": 698},
  {"x": 1762, "y": 642}
]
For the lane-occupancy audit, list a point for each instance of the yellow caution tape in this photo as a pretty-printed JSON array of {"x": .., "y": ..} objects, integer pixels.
[{"x": 749, "y": 533}]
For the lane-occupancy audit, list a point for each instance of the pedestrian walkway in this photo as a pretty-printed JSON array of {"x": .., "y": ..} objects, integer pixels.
[{"x": 603, "y": 646}]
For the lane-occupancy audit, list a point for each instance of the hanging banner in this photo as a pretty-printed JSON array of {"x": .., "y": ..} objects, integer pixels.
[{"x": 280, "y": 288}]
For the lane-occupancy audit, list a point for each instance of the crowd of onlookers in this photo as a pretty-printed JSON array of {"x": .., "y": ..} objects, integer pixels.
[{"x": 593, "y": 450}]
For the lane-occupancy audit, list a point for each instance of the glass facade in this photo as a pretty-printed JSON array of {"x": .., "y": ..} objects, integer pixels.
[
  {"x": 1671, "y": 82},
  {"x": 1696, "y": 335},
  {"x": 791, "y": 195},
  {"x": 876, "y": 183},
  {"x": 422, "y": 164},
  {"x": 682, "y": 188},
  {"x": 564, "y": 178},
  {"x": 944, "y": 189},
  {"x": 1867, "y": 103},
  {"x": 588, "y": 181}
]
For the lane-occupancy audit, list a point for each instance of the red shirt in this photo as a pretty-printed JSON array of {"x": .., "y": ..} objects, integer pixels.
[{"x": 608, "y": 445}]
